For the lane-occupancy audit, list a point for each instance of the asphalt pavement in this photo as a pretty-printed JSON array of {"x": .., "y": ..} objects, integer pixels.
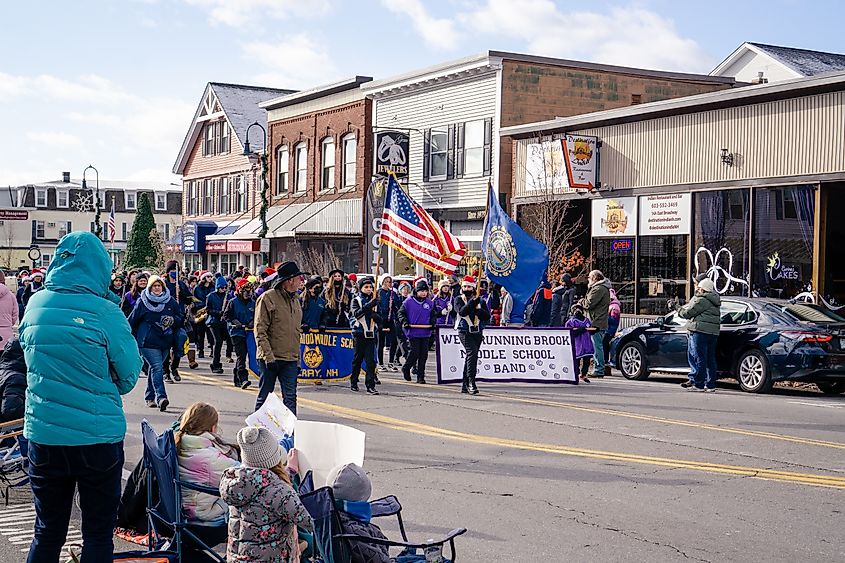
[{"x": 612, "y": 471}]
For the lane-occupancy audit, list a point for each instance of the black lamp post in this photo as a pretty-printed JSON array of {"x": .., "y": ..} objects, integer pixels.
[
  {"x": 262, "y": 214},
  {"x": 98, "y": 229}
]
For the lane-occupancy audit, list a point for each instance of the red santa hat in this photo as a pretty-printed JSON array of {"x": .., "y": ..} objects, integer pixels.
[
  {"x": 240, "y": 283},
  {"x": 37, "y": 272},
  {"x": 468, "y": 281},
  {"x": 353, "y": 278},
  {"x": 205, "y": 274},
  {"x": 270, "y": 274}
]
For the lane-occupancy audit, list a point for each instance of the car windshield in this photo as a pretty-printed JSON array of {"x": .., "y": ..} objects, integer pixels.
[{"x": 812, "y": 313}]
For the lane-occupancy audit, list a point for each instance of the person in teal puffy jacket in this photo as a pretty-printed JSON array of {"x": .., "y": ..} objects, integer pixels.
[{"x": 81, "y": 357}]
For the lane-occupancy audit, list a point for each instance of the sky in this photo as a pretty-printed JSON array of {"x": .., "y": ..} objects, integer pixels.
[{"x": 115, "y": 83}]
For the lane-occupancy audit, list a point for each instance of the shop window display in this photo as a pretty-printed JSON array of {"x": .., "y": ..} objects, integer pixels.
[
  {"x": 720, "y": 244},
  {"x": 615, "y": 259},
  {"x": 662, "y": 271}
]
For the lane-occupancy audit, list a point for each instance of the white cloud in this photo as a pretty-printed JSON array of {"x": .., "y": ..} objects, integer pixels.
[
  {"x": 630, "y": 36},
  {"x": 238, "y": 13},
  {"x": 297, "y": 61},
  {"x": 54, "y": 139},
  {"x": 438, "y": 33}
]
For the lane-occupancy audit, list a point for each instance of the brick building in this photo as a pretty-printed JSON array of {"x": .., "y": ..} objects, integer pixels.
[
  {"x": 321, "y": 163},
  {"x": 220, "y": 184},
  {"x": 454, "y": 111}
]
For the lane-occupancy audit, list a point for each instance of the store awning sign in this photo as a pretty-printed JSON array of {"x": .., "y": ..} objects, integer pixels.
[
  {"x": 581, "y": 157},
  {"x": 665, "y": 214},
  {"x": 614, "y": 217},
  {"x": 391, "y": 153}
]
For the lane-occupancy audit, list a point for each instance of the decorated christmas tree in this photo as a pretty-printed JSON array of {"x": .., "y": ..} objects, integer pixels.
[{"x": 141, "y": 252}]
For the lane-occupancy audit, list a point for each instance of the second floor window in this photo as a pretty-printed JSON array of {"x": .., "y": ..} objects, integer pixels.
[
  {"x": 223, "y": 200},
  {"x": 301, "y": 167},
  {"x": 38, "y": 228},
  {"x": 62, "y": 198},
  {"x": 164, "y": 229},
  {"x": 64, "y": 228},
  {"x": 161, "y": 202},
  {"x": 350, "y": 148},
  {"x": 208, "y": 190},
  {"x": 241, "y": 194},
  {"x": 327, "y": 164},
  {"x": 216, "y": 139},
  {"x": 474, "y": 148},
  {"x": 282, "y": 166},
  {"x": 439, "y": 148},
  {"x": 192, "y": 197},
  {"x": 131, "y": 200},
  {"x": 40, "y": 198},
  {"x": 124, "y": 231}
]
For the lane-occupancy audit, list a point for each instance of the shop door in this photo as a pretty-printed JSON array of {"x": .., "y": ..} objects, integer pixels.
[
  {"x": 833, "y": 260},
  {"x": 615, "y": 259}
]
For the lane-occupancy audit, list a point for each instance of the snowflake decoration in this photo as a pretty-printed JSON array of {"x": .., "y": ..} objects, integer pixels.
[{"x": 84, "y": 202}]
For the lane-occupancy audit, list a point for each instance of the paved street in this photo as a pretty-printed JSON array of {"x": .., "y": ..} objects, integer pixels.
[{"x": 613, "y": 471}]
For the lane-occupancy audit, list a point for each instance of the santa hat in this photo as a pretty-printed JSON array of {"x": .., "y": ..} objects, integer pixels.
[
  {"x": 269, "y": 274},
  {"x": 241, "y": 283},
  {"x": 205, "y": 274},
  {"x": 353, "y": 278},
  {"x": 37, "y": 272},
  {"x": 24, "y": 278},
  {"x": 468, "y": 281}
]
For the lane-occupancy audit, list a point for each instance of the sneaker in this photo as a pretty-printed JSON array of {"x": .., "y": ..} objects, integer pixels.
[
  {"x": 354, "y": 387},
  {"x": 318, "y": 382},
  {"x": 176, "y": 376},
  {"x": 152, "y": 404},
  {"x": 687, "y": 384},
  {"x": 391, "y": 367},
  {"x": 378, "y": 381},
  {"x": 464, "y": 390},
  {"x": 168, "y": 379},
  {"x": 406, "y": 375},
  {"x": 163, "y": 404},
  {"x": 229, "y": 360},
  {"x": 710, "y": 390},
  {"x": 421, "y": 381},
  {"x": 245, "y": 384},
  {"x": 217, "y": 370},
  {"x": 372, "y": 391},
  {"x": 200, "y": 354},
  {"x": 695, "y": 389},
  {"x": 585, "y": 379}
]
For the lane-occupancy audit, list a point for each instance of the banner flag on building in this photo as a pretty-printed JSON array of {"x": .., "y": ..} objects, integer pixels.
[
  {"x": 512, "y": 258},
  {"x": 111, "y": 225},
  {"x": 409, "y": 229}
]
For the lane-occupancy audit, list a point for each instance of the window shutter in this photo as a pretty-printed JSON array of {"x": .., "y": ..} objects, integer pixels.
[
  {"x": 459, "y": 152},
  {"x": 426, "y": 155},
  {"x": 450, "y": 153},
  {"x": 488, "y": 146}
]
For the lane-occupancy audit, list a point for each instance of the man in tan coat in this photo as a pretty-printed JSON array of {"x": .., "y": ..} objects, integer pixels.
[{"x": 278, "y": 324}]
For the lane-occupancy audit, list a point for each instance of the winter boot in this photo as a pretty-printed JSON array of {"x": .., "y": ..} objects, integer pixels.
[{"x": 192, "y": 357}]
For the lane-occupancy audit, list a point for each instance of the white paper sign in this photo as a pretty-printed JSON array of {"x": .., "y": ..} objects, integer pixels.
[
  {"x": 527, "y": 354},
  {"x": 322, "y": 446},
  {"x": 545, "y": 167},
  {"x": 615, "y": 217},
  {"x": 667, "y": 214},
  {"x": 274, "y": 416}
]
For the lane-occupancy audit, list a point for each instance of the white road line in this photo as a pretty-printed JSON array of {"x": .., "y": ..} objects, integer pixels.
[{"x": 822, "y": 405}]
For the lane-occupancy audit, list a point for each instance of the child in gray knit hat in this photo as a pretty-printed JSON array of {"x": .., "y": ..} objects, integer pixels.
[
  {"x": 352, "y": 489},
  {"x": 264, "y": 510}
]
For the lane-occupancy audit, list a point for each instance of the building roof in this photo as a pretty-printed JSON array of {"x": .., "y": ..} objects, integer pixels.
[
  {"x": 752, "y": 94},
  {"x": 804, "y": 61},
  {"x": 239, "y": 105},
  {"x": 315, "y": 93},
  {"x": 76, "y": 183},
  {"x": 494, "y": 58}
]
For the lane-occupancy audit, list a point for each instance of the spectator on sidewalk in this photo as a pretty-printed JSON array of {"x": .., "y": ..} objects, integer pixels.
[
  {"x": 563, "y": 297},
  {"x": 597, "y": 305},
  {"x": 278, "y": 326},
  {"x": 12, "y": 381},
  {"x": 703, "y": 327},
  {"x": 81, "y": 357},
  {"x": 8, "y": 311}
]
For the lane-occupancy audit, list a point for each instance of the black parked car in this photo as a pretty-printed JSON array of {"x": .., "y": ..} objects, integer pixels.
[{"x": 761, "y": 341}]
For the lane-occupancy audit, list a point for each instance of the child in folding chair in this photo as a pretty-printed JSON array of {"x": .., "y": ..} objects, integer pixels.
[
  {"x": 264, "y": 510},
  {"x": 352, "y": 489}
]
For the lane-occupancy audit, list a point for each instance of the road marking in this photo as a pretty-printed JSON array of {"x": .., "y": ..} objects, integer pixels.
[
  {"x": 822, "y": 405},
  {"x": 651, "y": 418},
  {"x": 17, "y": 526},
  {"x": 818, "y": 480}
]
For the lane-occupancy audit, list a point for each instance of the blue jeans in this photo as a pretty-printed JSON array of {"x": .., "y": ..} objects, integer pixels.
[
  {"x": 692, "y": 358},
  {"x": 154, "y": 358},
  {"x": 705, "y": 355},
  {"x": 54, "y": 472},
  {"x": 286, "y": 372},
  {"x": 598, "y": 352}
]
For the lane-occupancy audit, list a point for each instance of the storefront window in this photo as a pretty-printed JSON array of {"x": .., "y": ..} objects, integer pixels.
[
  {"x": 662, "y": 271},
  {"x": 783, "y": 241},
  {"x": 615, "y": 259},
  {"x": 722, "y": 223},
  {"x": 228, "y": 263}
]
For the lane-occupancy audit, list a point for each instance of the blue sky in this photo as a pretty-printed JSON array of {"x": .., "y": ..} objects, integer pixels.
[{"x": 115, "y": 82}]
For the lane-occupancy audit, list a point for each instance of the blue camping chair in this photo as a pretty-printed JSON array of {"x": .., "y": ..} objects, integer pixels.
[
  {"x": 160, "y": 461},
  {"x": 333, "y": 542},
  {"x": 13, "y": 460}
]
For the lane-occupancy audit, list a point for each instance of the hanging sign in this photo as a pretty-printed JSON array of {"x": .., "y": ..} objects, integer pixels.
[
  {"x": 391, "y": 153},
  {"x": 615, "y": 217},
  {"x": 666, "y": 214},
  {"x": 581, "y": 156}
]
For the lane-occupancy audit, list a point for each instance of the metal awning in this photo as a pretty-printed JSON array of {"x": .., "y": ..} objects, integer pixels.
[{"x": 340, "y": 217}]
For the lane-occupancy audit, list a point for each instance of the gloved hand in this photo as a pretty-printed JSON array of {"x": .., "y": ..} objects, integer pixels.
[
  {"x": 406, "y": 326},
  {"x": 304, "y": 328},
  {"x": 444, "y": 312},
  {"x": 322, "y": 328},
  {"x": 671, "y": 304}
]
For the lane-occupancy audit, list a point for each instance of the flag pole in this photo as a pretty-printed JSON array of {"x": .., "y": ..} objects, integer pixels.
[
  {"x": 114, "y": 225},
  {"x": 380, "y": 244},
  {"x": 486, "y": 220}
]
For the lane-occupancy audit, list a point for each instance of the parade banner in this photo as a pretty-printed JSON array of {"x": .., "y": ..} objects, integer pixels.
[
  {"x": 322, "y": 355},
  {"x": 507, "y": 355}
]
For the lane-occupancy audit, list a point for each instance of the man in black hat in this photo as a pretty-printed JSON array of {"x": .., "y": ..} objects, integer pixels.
[{"x": 278, "y": 325}]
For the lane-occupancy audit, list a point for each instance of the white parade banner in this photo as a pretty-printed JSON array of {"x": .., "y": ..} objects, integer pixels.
[{"x": 510, "y": 354}]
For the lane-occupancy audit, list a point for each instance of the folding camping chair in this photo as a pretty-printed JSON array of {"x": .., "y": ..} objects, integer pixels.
[
  {"x": 333, "y": 542},
  {"x": 13, "y": 461},
  {"x": 161, "y": 463}
]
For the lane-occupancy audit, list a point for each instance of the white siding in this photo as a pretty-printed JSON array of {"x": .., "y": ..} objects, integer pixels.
[
  {"x": 749, "y": 64},
  {"x": 438, "y": 107},
  {"x": 796, "y": 137}
]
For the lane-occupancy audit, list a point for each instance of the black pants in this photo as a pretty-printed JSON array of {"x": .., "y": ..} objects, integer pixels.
[
  {"x": 228, "y": 344},
  {"x": 403, "y": 346},
  {"x": 171, "y": 362},
  {"x": 364, "y": 352},
  {"x": 585, "y": 365},
  {"x": 417, "y": 357},
  {"x": 239, "y": 372},
  {"x": 203, "y": 330},
  {"x": 472, "y": 344},
  {"x": 219, "y": 334},
  {"x": 386, "y": 339}
]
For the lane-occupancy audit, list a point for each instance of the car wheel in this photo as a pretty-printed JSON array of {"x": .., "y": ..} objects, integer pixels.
[
  {"x": 753, "y": 372},
  {"x": 831, "y": 387},
  {"x": 631, "y": 361}
]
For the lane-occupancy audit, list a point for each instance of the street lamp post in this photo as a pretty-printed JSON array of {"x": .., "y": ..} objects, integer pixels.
[
  {"x": 262, "y": 213},
  {"x": 98, "y": 229}
]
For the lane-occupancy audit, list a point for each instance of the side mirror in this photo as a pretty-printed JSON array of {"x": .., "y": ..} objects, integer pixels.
[{"x": 661, "y": 322}]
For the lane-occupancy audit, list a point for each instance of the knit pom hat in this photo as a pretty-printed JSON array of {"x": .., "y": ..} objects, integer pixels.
[
  {"x": 259, "y": 448},
  {"x": 220, "y": 282},
  {"x": 421, "y": 285},
  {"x": 365, "y": 281}
]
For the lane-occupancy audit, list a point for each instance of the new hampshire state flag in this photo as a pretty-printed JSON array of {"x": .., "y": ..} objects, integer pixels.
[{"x": 512, "y": 257}]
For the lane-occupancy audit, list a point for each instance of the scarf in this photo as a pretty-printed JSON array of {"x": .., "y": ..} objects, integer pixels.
[
  {"x": 153, "y": 302},
  {"x": 361, "y": 511}
]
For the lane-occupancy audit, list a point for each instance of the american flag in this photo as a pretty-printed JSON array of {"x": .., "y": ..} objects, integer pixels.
[
  {"x": 111, "y": 225},
  {"x": 408, "y": 228}
]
